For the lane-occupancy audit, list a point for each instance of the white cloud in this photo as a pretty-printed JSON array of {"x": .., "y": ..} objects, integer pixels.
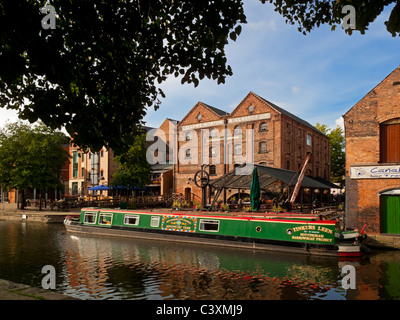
[
  {"x": 340, "y": 123},
  {"x": 295, "y": 90}
]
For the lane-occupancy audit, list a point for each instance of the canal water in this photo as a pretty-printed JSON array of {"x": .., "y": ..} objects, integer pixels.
[{"x": 98, "y": 267}]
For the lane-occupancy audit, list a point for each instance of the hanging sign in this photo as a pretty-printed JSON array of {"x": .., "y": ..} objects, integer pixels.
[{"x": 375, "y": 172}]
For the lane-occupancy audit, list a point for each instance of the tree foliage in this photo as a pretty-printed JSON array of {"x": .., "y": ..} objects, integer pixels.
[
  {"x": 338, "y": 159},
  {"x": 31, "y": 157},
  {"x": 133, "y": 168},
  {"x": 308, "y": 14},
  {"x": 98, "y": 71}
]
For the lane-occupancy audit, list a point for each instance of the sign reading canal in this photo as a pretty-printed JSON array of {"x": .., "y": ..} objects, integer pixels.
[
  {"x": 375, "y": 172},
  {"x": 179, "y": 223},
  {"x": 311, "y": 233}
]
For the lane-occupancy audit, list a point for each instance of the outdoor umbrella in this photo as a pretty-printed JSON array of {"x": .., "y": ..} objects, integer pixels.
[
  {"x": 255, "y": 191},
  {"x": 100, "y": 187}
]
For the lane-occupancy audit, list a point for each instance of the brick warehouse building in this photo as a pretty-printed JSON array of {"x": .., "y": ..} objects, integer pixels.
[
  {"x": 281, "y": 140},
  {"x": 372, "y": 129}
]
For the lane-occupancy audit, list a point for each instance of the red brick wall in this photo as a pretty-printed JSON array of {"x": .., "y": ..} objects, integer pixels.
[
  {"x": 362, "y": 124},
  {"x": 282, "y": 137}
]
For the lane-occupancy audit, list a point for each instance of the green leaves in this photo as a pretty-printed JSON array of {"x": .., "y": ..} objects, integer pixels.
[
  {"x": 309, "y": 14},
  {"x": 98, "y": 71},
  {"x": 31, "y": 157},
  {"x": 134, "y": 169},
  {"x": 338, "y": 160}
]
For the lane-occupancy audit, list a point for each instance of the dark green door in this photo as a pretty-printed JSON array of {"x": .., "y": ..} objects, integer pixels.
[{"x": 390, "y": 214}]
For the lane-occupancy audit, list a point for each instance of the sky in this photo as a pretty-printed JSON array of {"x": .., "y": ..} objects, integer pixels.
[{"x": 318, "y": 76}]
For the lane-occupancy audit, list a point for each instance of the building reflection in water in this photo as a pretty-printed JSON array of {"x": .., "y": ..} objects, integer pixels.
[{"x": 113, "y": 268}]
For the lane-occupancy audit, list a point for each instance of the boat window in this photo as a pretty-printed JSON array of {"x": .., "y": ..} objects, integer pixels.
[
  {"x": 105, "y": 218},
  {"x": 209, "y": 225},
  {"x": 90, "y": 217},
  {"x": 131, "y": 220},
  {"x": 155, "y": 221}
]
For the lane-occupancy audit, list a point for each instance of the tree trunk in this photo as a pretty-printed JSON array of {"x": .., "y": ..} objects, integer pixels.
[
  {"x": 40, "y": 200},
  {"x": 23, "y": 202}
]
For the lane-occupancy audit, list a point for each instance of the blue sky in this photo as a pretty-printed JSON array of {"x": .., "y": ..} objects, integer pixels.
[{"x": 317, "y": 77}]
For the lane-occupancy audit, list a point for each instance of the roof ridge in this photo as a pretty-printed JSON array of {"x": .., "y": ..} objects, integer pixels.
[
  {"x": 288, "y": 114},
  {"x": 220, "y": 112}
]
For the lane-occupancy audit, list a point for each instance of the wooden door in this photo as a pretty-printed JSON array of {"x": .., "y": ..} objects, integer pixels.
[{"x": 390, "y": 143}]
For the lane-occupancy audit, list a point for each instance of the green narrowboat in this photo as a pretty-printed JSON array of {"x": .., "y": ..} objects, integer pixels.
[{"x": 288, "y": 232}]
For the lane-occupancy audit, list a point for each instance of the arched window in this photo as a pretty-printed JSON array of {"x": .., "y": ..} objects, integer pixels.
[
  {"x": 390, "y": 141},
  {"x": 263, "y": 127},
  {"x": 262, "y": 147},
  {"x": 237, "y": 131},
  {"x": 188, "y": 136},
  {"x": 187, "y": 154}
]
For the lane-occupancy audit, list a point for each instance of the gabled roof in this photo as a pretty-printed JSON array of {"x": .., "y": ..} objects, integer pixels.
[
  {"x": 287, "y": 113},
  {"x": 398, "y": 68},
  {"x": 216, "y": 111}
]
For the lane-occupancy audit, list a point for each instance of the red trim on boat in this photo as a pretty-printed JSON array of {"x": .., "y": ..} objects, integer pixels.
[
  {"x": 350, "y": 254},
  {"x": 270, "y": 218}
]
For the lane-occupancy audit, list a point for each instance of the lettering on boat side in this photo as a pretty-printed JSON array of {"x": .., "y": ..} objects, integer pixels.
[
  {"x": 311, "y": 233},
  {"x": 205, "y": 309},
  {"x": 179, "y": 223}
]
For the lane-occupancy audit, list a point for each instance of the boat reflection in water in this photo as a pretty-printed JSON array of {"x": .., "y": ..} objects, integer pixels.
[
  {"x": 141, "y": 269},
  {"x": 98, "y": 267}
]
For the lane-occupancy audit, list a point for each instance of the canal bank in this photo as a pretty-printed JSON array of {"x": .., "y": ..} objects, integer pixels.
[
  {"x": 9, "y": 211},
  {"x": 16, "y": 291}
]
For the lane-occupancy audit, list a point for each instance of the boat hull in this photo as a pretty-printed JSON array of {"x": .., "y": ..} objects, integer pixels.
[
  {"x": 267, "y": 233},
  {"x": 229, "y": 242}
]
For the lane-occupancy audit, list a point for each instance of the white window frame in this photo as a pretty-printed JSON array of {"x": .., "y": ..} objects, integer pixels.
[
  {"x": 203, "y": 221},
  {"x": 237, "y": 149},
  {"x": 92, "y": 214},
  {"x": 106, "y": 214},
  {"x": 131, "y": 216},
  {"x": 309, "y": 139},
  {"x": 153, "y": 221}
]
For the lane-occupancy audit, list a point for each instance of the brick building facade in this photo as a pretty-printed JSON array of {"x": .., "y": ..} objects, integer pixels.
[
  {"x": 89, "y": 169},
  {"x": 372, "y": 129},
  {"x": 280, "y": 140}
]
